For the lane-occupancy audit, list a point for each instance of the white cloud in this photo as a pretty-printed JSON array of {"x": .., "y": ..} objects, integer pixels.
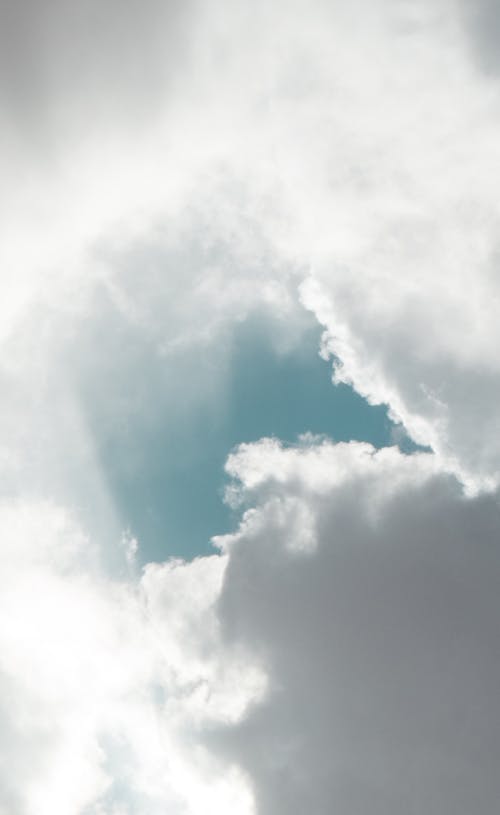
[
  {"x": 107, "y": 686},
  {"x": 356, "y": 142},
  {"x": 165, "y": 172}
]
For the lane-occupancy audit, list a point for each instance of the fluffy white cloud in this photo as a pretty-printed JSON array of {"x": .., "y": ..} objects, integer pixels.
[
  {"x": 106, "y": 685},
  {"x": 351, "y": 143}
]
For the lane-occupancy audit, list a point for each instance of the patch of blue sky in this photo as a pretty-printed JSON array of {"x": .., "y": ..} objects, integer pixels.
[{"x": 165, "y": 428}]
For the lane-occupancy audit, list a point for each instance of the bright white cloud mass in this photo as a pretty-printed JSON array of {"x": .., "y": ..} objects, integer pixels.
[{"x": 169, "y": 171}]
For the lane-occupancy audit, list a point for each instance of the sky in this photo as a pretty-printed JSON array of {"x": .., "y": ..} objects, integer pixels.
[
  {"x": 157, "y": 471},
  {"x": 249, "y": 437}
]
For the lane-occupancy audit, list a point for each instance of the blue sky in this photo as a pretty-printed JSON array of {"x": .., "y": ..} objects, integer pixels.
[{"x": 165, "y": 469}]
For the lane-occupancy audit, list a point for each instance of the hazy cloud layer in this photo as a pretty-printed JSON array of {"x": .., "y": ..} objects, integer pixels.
[{"x": 482, "y": 26}]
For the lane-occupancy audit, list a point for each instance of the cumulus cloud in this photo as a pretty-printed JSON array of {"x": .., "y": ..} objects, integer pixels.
[
  {"x": 168, "y": 169},
  {"x": 380, "y": 640},
  {"x": 341, "y": 651}
]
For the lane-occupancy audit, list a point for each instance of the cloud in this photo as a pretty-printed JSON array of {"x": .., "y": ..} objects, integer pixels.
[
  {"x": 347, "y": 146},
  {"x": 482, "y": 28},
  {"x": 380, "y": 641},
  {"x": 107, "y": 684},
  {"x": 341, "y": 651},
  {"x": 166, "y": 172},
  {"x": 62, "y": 64}
]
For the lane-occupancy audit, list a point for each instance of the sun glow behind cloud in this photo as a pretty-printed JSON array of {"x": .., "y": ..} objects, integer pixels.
[{"x": 185, "y": 188}]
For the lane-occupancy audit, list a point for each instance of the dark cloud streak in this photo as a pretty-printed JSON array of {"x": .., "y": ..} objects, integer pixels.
[{"x": 482, "y": 26}]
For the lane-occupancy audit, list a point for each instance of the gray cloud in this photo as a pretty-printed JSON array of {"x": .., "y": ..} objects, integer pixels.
[
  {"x": 482, "y": 27},
  {"x": 65, "y": 64},
  {"x": 382, "y": 646}
]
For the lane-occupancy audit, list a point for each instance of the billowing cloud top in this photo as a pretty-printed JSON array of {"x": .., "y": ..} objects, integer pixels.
[{"x": 169, "y": 169}]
